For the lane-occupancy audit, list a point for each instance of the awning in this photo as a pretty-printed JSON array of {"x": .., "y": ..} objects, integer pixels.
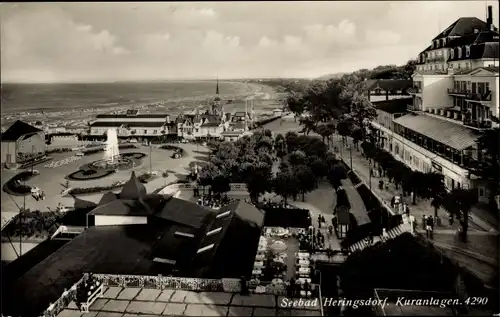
[{"x": 451, "y": 134}]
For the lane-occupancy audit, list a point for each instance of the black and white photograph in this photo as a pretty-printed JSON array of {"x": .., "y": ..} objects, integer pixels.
[{"x": 250, "y": 158}]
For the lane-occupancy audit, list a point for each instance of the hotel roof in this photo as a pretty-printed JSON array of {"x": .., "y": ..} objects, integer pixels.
[
  {"x": 135, "y": 124},
  {"x": 451, "y": 134},
  {"x": 463, "y": 26},
  {"x": 17, "y": 130}
]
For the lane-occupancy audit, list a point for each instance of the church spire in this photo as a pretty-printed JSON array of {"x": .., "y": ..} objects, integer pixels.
[{"x": 217, "y": 88}]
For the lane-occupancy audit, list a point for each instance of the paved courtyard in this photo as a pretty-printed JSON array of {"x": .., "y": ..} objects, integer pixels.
[
  {"x": 124, "y": 302},
  {"x": 51, "y": 180}
]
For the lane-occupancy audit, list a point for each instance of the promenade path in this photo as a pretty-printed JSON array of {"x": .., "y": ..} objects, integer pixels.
[
  {"x": 361, "y": 167},
  {"x": 51, "y": 180}
]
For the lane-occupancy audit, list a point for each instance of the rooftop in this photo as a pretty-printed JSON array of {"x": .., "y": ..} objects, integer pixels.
[
  {"x": 388, "y": 84},
  {"x": 119, "y": 301},
  {"x": 452, "y": 134},
  {"x": 17, "y": 130},
  {"x": 463, "y": 26},
  {"x": 393, "y": 106}
]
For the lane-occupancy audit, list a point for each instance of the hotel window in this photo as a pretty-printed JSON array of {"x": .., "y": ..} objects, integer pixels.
[
  {"x": 473, "y": 89},
  {"x": 444, "y": 41},
  {"x": 165, "y": 261},
  {"x": 452, "y": 53},
  {"x": 215, "y": 231},
  {"x": 184, "y": 234},
  {"x": 486, "y": 87},
  {"x": 459, "y": 51},
  {"x": 145, "y": 131},
  {"x": 155, "y": 131},
  {"x": 467, "y": 51}
]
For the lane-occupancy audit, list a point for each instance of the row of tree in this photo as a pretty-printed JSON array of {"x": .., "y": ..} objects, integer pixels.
[{"x": 250, "y": 160}]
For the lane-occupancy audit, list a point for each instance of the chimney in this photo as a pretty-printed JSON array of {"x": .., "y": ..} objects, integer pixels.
[{"x": 489, "y": 18}]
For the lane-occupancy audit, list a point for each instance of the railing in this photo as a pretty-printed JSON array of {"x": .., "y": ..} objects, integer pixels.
[
  {"x": 458, "y": 91},
  {"x": 479, "y": 124},
  {"x": 62, "y": 302},
  {"x": 184, "y": 186}
]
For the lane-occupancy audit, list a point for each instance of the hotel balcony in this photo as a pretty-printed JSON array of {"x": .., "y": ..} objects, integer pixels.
[
  {"x": 479, "y": 97},
  {"x": 458, "y": 92},
  {"x": 414, "y": 90},
  {"x": 478, "y": 124}
]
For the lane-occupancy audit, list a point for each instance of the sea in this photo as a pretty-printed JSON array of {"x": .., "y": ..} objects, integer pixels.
[{"x": 22, "y": 98}]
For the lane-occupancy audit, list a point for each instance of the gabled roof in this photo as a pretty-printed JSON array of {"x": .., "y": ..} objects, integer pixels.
[
  {"x": 133, "y": 189},
  {"x": 134, "y": 124},
  {"x": 122, "y": 207},
  {"x": 463, "y": 26},
  {"x": 210, "y": 124},
  {"x": 107, "y": 198},
  {"x": 17, "y": 130}
]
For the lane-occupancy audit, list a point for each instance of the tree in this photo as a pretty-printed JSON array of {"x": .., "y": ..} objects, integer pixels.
[
  {"x": 344, "y": 127},
  {"x": 319, "y": 168},
  {"x": 357, "y": 136},
  {"x": 305, "y": 179},
  {"x": 220, "y": 184},
  {"x": 489, "y": 168},
  {"x": 459, "y": 202},
  {"x": 291, "y": 139},
  {"x": 283, "y": 183},
  {"x": 295, "y": 104},
  {"x": 280, "y": 146},
  {"x": 259, "y": 180},
  {"x": 297, "y": 158},
  {"x": 336, "y": 174}
]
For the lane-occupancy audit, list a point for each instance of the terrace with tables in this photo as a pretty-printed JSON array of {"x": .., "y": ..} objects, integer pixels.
[{"x": 114, "y": 295}]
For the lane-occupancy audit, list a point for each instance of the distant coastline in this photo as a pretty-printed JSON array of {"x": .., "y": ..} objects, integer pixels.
[{"x": 75, "y": 104}]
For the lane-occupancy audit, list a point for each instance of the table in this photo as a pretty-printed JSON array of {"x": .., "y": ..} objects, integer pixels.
[
  {"x": 262, "y": 248},
  {"x": 257, "y": 272},
  {"x": 303, "y": 262},
  {"x": 304, "y": 270},
  {"x": 304, "y": 255},
  {"x": 302, "y": 280},
  {"x": 303, "y": 293},
  {"x": 260, "y": 257},
  {"x": 277, "y": 281},
  {"x": 258, "y": 264}
]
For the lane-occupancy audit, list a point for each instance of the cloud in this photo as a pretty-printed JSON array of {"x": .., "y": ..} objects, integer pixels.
[
  {"x": 343, "y": 33},
  {"x": 113, "y": 41},
  {"x": 382, "y": 37}
]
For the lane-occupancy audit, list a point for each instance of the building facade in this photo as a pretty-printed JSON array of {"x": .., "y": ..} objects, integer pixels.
[
  {"x": 453, "y": 99},
  {"x": 22, "y": 142}
]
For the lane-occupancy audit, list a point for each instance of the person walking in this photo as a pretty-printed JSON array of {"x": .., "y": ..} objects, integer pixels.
[{"x": 451, "y": 219}]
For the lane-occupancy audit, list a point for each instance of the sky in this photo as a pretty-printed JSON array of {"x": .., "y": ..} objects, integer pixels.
[{"x": 60, "y": 42}]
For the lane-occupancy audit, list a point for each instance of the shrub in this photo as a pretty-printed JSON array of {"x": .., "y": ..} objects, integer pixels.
[
  {"x": 91, "y": 190},
  {"x": 58, "y": 150},
  {"x": 33, "y": 223}
]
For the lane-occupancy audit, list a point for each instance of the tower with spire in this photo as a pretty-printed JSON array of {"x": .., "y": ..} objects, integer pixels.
[{"x": 217, "y": 105}]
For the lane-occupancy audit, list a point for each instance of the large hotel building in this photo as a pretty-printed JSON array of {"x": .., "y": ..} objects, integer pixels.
[{"x": 454, "y": 99}]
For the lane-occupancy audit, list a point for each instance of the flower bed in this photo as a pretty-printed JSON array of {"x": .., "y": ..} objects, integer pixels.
[
  {"x": 59, "y": 150},
  {"x": 176, "y": 149},
  {"x": 146, "y": 177},
  {"x": 14, "y": 187},
  {"x": 93, "y": 190}
]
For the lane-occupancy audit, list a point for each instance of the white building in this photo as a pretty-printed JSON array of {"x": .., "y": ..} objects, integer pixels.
[
  {"x": 133, "y": 124},
  {"x": 454, "y": 97},
  {"x": 21, "y": 142}
]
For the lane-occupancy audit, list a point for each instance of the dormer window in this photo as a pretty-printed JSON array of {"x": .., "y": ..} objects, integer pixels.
[
  {"x": 444, "y": 41},
  {"x": 164, "y": 261},
  {"x": 459, "y": 51},
  {"x": 184, "y": 234},
  {"x": 215, "y": 231},
  {"x": 452, "y": 53},
  {"x": 208, "y": 247},
  {"x": 226, "y": 213},
  {"x": 476, "y": 31},
  {"x": 467, "y": 51}
]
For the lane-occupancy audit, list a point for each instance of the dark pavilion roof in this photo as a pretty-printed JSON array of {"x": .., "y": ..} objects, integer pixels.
[
  {"x": 133, "y": 189},
  {"x": 17, "y": 130},
  {"x": 388, "y": 84},
  {"x": 392, "y": 106}
]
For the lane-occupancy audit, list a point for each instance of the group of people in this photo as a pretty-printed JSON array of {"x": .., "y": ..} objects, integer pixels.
[
  {"x": 428, "y": 223},
  {"x": 37, "y": 193},
  {"x": 295, "y": 289},
  {"x": 400, "y": 205},
  {"x": 214, "y": 202},
  {"x": 311, "y": 240}
]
